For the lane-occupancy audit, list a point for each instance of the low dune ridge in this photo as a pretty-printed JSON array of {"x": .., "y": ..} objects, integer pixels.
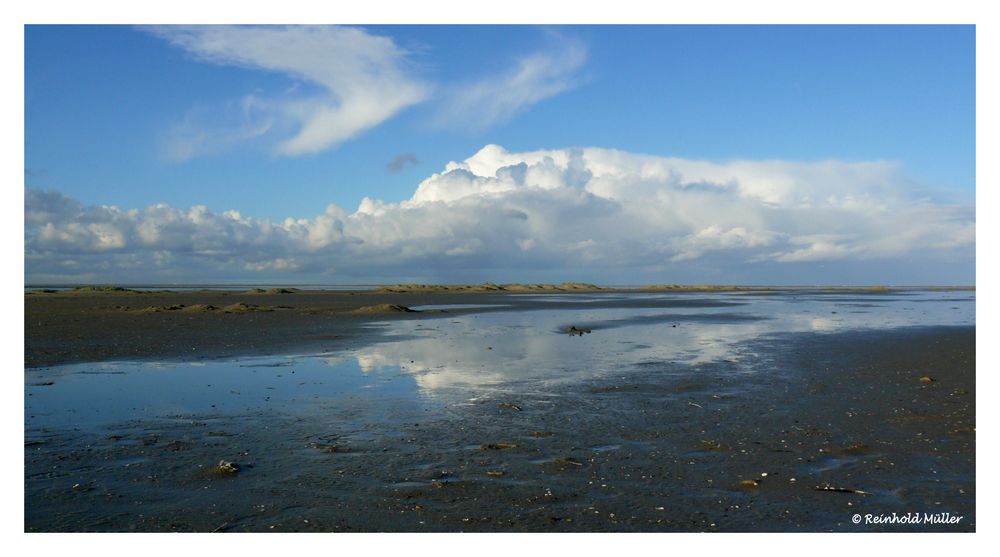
[
  {"x": 103, "y": 289},
  {"x": 697, "y": 288},
  {"x": 492, "y": 287},
  {"x": 583, "y": 287},
  {"x": 159, "y": 309},
  {"x": 96, "y": 289},
  {"x": 399, "y": 288},
  {"x": 238, "y": 307},
  {"x": 198, "y": 308},
  {"x": 382, "y": 308},
  {"x": 194, "y": 308},
  {"x": 952, "y": 288},
  {"x": 272, "y": 291},
  {"x": 561, "y": 287}
]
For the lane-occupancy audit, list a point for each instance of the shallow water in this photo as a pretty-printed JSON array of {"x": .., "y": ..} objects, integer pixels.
[
  {"x": 468, "y": 354},
  {"x": 446, "y": 307},
  {"x": 420, "y": 383}
]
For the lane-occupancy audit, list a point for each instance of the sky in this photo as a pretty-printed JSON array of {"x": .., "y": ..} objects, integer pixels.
[{"x": 609, "y": 154}]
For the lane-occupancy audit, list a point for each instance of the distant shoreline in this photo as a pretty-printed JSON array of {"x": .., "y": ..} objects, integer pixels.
[{"x": 487, "y": 287}]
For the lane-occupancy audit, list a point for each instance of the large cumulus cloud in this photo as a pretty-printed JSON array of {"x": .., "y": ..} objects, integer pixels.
[{"x": 500, "y": 214}]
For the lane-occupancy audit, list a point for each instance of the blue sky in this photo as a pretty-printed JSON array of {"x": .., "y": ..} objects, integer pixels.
[{"x": 794, "y": 122}]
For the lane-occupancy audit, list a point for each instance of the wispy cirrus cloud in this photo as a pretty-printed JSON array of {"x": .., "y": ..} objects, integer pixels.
[
  {"x": 208, "y": 131},
  {"x": 363, "y": 80},
  {"x": 562, "y": 214},
  {"x": 495, "y": 99}
]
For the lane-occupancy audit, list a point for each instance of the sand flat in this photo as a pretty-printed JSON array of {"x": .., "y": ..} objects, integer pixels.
[{"x": 722, "y": 411}]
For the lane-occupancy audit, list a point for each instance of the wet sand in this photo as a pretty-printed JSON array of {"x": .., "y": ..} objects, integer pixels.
[
  {"x": 66, "y": 327},
  {"x": 840, "y": 424}
]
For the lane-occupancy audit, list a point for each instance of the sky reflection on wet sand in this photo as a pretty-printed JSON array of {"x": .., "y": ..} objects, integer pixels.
[{"x": 466, "y": 354}]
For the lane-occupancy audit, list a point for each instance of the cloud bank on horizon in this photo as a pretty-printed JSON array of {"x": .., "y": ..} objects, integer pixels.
[{"x": 564, "y": 214}]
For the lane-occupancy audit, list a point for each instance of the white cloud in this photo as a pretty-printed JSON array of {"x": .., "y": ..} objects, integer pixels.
[
  {"x": 363, "y": 79},
  {"x": 358, "y": 80},
  {"x": 532, "y": 79},
  {"x": 277, "y": 264},
  {"x": 566, "y": 211},
  {"x": 205, "y": 131}
]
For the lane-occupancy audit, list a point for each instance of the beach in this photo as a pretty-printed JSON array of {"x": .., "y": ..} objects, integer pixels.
[{"x": 500, "y": 411}]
